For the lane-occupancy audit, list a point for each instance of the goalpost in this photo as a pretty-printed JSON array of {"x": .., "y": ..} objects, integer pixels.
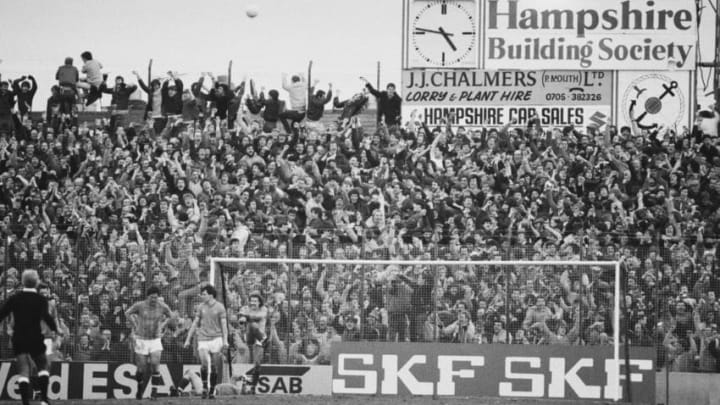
[{"x": 288, "y": 265}]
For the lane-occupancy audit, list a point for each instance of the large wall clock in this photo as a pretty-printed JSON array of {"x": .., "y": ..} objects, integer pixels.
[{"x": 443, "y": 33}]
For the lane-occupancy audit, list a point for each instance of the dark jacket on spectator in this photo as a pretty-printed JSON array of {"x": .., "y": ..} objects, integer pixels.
[
  {"x": 7, "y": 102},
  {"x": 351, "y": 107},
  {"x": 191, "y": 110},
  {"x": 221, "y": 101},
  {"x": 387, "y": 106},
  {"x": 273, "y": 106},
  {"x": 316, "y": 105},
  {"x": 399, "y": 297},
  {"x": 24, "y": 98},
  {"x": 200, "y": 97},
  {"x": 54, "y": 104},
  {"x": 172, "y": 105},
  {"x": 67, "y": 75},
  {"x": 121, "y": 95},
  {"x": 420, "y": 298}
]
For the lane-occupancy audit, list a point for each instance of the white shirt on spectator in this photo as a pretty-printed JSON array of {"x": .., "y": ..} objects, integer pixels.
[
  {"x": 298, "y": 93},
  {"x": 93, "y": 72}
]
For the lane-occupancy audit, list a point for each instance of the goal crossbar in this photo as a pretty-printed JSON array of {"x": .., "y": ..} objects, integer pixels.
[{"x": 606, "y": 263}]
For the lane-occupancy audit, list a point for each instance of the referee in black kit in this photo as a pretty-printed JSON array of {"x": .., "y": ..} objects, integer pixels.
[{"x": 28, "y": 309}]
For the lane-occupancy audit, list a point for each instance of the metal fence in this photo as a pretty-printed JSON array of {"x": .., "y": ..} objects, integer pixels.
[{"x": 668, "y": 299}]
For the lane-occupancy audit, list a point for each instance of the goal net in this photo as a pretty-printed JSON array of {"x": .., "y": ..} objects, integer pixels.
[{"x": 313, "y": 302}]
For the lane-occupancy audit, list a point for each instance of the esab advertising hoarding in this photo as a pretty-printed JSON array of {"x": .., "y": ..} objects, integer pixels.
[
  {"x": 483, "y": 98},
  {"x": 589, "y": 34},
  {"x": 117, "y": 381},
  {"x": 553, "y": 372},
  {"x": 290, "y": 379}
]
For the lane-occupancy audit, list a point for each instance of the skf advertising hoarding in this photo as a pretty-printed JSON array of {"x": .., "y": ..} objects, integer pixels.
[
  {"x": 557, "y": 34},
  {"x": 551, "y": 372},
  {"x": 482, "y": 98}
]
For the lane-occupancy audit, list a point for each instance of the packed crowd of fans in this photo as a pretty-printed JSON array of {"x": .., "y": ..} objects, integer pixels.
[{"x": 103, "y": 211}]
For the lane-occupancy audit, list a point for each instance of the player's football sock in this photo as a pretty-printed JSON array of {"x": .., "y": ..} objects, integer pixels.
[
  {"x": 25, "y": 390},
  {"x": 43, "y": 382},
  {"x": 184, "y": 382},
  {"x": 156, "y": 381},
  {"x": 139, "y": 377},
  {"x": 204, "y": 377},
  {"x": 213, "y": 379},
  {"x": 256, "y": 375}
]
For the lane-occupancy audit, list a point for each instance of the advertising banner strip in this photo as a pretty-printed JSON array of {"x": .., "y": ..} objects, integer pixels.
[
  {"x": 518, "y": 87},
  {"x": 488, "y": 117},
  {"x": 117, "y": 380},
  {"x": 550, "y": 372},
  {"x": 589, "y": 34}
]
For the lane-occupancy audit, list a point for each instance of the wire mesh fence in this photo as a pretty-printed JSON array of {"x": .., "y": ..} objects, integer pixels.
[
  {"x": 668, "y": 299},
  {"x": 313, "y": 304}
]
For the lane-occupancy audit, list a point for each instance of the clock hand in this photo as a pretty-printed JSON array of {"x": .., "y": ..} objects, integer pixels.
[
  {"x": 432, "y": 31},
  {"x": 447, "y": 38}
]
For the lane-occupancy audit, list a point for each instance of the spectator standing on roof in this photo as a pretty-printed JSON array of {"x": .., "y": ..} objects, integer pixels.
[
  {"x": 316, "y": 103},
  {"x": 221, "y": 95},
  {"x": 172, "y": 102},
  {"x": 154, "y": 92},
  {"x": 297, "y": 90},
  {"x": 172, "y": 95},
  {"x": 271, "y": 109},
  {"x": 67, "y": 76},
  {"x": 350, "y": 107},
  {"x": 389, "y": 103},
  {"x": 7, "y": 103},
  {"x": 120, "y": 99}
]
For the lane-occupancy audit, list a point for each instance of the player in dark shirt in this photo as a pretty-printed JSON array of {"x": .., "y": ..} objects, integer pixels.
[
  {"x": 29, "y": 309},
  {"x": 210, "y": 325}
]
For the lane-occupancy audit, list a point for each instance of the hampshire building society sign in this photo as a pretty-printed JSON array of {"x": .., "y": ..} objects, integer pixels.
[
  {"x": 589, "y": 34},
  {"x": 649, "y": 35}
]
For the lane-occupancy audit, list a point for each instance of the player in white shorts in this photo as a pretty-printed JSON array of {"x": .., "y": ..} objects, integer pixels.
[
  {"x": 212, "y": 338},
  {"x": 148, "y": 319}
]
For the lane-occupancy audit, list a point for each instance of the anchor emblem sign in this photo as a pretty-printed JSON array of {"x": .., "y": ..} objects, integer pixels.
[{"x": 654, "y": 100}]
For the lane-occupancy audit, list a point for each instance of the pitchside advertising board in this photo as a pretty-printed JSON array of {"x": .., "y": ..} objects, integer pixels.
[
  {"x": 567, "y": 35},
  {"x": 655, "y": 99},
  {"x": 117, "y": 381},
  {"x": 551, "y": 372},
  {"x": 559, "y": 98},
  {"x": 487, "y": 99}
]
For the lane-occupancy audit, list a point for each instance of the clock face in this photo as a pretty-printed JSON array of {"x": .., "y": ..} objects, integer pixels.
[{"x": 443, "y": 33}]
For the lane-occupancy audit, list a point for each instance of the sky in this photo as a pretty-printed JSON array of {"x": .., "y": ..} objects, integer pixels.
[{"x": 344, "y": 38}]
